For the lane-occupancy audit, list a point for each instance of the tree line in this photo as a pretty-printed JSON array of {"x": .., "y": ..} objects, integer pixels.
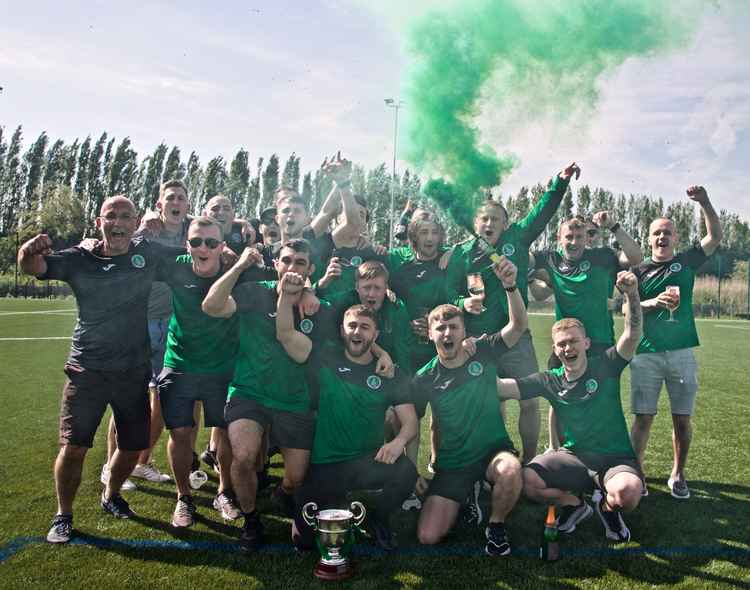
[{"x": 52, "y": 186}]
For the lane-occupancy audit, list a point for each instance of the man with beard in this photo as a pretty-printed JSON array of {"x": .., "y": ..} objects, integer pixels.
[
  {"x": 198, "y": 366},
  {"x": 474, "y": 444},
  {"x": 665, "y": 353},
  {"x": 268, "y": 389},
  {"x": 596, "y": 453},
  {"x": 348, "y": 451},
  {"x": 109, "y": 357},
  {"x": 489, "y": 314}
]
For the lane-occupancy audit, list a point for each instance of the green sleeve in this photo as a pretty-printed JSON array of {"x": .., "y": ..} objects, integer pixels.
[{"x": 537, "y": 219}]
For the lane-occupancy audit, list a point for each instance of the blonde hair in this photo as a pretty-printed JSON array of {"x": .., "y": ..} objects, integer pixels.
[{"x": 567, "y": 324}]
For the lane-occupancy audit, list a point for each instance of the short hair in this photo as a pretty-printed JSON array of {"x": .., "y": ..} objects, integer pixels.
[
  {"x": 363, "y": 310},
  {"x": 173, "y": 183},
  {"x": 299, "y": 245},
  {"x": 567, "y": 324},
  {"x": 443, "y": 313},
  {"x": 490, "y": 202},
  {"x": 116, "y": 199},
  {"x": 371, "y": 269},
  {"x": 662, "y": 218},
  {"x": 416, "y": 224},
  {"x": 295, "y": 197},
  {"x": 219, "y": 196},
  {"x": 573, "y": 223},
  {"x": 205, "y": 221}
]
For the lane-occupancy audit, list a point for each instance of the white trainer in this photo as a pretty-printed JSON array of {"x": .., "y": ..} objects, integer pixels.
[
  {"x": 127, "y": 486},
  {"x": 149, "y": 472}
]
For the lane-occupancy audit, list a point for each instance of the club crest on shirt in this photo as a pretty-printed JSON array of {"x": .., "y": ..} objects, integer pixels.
[
  {"x": 675, "y": 267},
  {"x": 508, "y": 249},
  {"x": 475, "y": 368},
  {"x": 306, "y": 326},
  {"x": 591, "y": 385},
  {"x": 585, "y": 265},
  {"x": 374, "y": 382},
  {"x": 356, "y": 260},
  {"x": 137, "y": 261}
]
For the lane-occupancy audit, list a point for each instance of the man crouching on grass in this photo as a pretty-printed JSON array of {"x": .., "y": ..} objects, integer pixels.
[{"x": 596, "y": 453}]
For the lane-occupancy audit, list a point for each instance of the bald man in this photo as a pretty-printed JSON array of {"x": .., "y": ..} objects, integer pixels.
[{"x": 109, "y": 360}]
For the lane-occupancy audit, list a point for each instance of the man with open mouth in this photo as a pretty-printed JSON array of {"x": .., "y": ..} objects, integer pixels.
[
  {"x": 665, "y": 354},
  {"x": 474, "y": 445},
  {"x": 109, "y": 362},
  {"x": 595, "y": 453}
]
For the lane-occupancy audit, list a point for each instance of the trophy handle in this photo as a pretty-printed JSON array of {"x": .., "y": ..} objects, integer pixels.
[
  {"x": 309, "y": 514},
  {"x": 358, "y": 512}
]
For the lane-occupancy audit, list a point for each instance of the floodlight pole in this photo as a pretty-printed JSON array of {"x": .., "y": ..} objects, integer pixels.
[{"x": 395, "y": 105}]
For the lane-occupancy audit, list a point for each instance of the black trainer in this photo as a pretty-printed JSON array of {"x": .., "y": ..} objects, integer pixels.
[
  {"x": 497, "y": 539},
  {"x": 382, "y": 533},
  {"x": 614, "y": 526},
  {"x": 251, "y": 537},
  {"x": 117, "y": 506},
  {"x": 61, "y": 529},
  {"x": 209, "y": 458},
  {"x": 570, "y": 516},
  {"x": 471, "y": 511}
]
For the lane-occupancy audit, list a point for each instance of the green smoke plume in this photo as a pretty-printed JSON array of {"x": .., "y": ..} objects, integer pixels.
[{"x": 527, "y": 59}]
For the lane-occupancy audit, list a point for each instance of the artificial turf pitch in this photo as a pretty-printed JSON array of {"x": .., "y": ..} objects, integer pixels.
[{"x": 702, "y": 542}]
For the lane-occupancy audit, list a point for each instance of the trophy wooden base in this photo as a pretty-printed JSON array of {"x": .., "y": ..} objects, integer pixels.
[{"x": 333, "y": 572}]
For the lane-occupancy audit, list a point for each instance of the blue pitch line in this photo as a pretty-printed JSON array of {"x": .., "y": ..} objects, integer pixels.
[{"x": 14, "y": 546}]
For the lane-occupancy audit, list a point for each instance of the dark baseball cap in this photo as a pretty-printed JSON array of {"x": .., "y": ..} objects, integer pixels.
[{"x": 268, "y": 215}]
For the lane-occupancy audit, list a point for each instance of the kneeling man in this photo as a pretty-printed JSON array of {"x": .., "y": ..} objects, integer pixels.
[{"x": 596, "y": 453}]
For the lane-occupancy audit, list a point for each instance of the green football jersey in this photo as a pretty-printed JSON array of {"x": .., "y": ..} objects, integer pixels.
[
  {"x": 351, "y": 402},
  {"x": 350, "y": 258},
  {"x": 465, "y": 405},
  {"x": 264, "y": 371},
  {"x": 196, "y": 342},
  {"x": 653, "y": 278},
  {"x": 514, "y": 243},
  {"x": 589, "y": 409},
  {"x": 582, "y": 289},
  {"x": 422, "y": 287},
  {"x": 395, "y": 335}
]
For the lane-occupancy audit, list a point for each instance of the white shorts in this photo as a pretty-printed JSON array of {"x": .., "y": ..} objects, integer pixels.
[{"x": 678, "y": 369}]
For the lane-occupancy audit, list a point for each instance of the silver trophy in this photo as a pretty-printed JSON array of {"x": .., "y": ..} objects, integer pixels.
[{"x": 334, "y": 534}]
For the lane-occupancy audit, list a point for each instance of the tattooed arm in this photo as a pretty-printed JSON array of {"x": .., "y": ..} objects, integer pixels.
[{"x": 627, "y": 283}]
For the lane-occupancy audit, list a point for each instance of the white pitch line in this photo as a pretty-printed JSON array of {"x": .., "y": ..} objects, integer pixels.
[
  {"x": 38, "y": 338},
  {"x": 53, "y": 311}
]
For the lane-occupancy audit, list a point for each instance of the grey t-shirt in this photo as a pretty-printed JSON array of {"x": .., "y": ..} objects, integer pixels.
[
  {"x": 111, "y": 332},
  {"x": 160, "y": 300}
]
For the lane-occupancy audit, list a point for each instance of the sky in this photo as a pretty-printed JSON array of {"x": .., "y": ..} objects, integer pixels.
[{"x": 311, "y": 77}]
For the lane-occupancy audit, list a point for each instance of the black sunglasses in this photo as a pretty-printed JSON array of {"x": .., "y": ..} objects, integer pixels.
[{"x": 211, "y": 243}]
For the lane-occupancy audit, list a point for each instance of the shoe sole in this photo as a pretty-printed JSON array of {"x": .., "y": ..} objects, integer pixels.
[
  {"x": 490, "y": 553},
  {"x": 58, "y": 540},
  {"x": 572, "y": 527},
  {"x": 182, "y": 526}
]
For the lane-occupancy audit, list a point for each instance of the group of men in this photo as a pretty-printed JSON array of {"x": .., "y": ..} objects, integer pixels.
[{"x": 299, "y": 333}]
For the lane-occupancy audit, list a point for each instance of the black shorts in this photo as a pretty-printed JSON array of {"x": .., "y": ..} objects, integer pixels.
[
  {"x": 179, "y": 391},
  {"x": 456, "y": 484},
  {"x": 579, "y": 474},
  {"x": 289, "y": 430},
  {"x": 86, "y": 394}
]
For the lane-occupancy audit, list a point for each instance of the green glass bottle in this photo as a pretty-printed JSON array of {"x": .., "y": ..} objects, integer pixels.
[{"x": 550, "y": 547}]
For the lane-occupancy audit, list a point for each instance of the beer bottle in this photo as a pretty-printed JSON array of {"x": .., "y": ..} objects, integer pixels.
[{"x": 550, "y": 548}]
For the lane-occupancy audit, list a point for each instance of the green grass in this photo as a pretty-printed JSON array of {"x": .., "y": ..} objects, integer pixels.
[{"x": 675, "y": 544}]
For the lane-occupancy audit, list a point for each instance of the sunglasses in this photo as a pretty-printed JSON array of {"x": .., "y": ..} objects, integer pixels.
[
  {"x": 211, "y": 243},
  {"x": 592, "y": 232}
]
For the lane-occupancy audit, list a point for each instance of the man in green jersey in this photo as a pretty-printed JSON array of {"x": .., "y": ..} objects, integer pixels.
[
  {"x": 596, "y": 450},
  {"x": 371, "y": 286},
  {"x": 268, "y": 389},
  {"x": 474, "y": 444},
  {"x": 489, "y": 313},
  {"x": 348, "y": 451},
  {"x": 665, "y": 353},
  {"x": 198, "y": 365}
]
